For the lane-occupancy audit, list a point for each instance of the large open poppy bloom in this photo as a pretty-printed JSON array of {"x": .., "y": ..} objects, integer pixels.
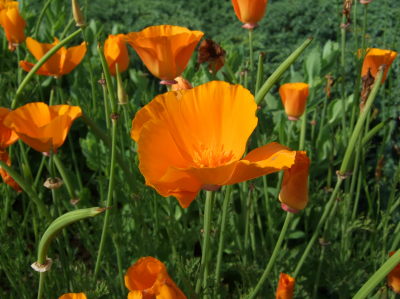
[
  {"x": 285, "y": 288},
  {"x": 61, "y": 63},
  {"x": 116, "y": 52},
  {"x": 294, "y": 99},
  {"x": 195, "y": 139},
  {"x": 249, "y": 12},
  {"x": 12, "y": 22},
  {"x": 42, "y": 127},
  {"x": 375, "y": 58},
  {"x": 165, "y": 49},
  {"x": 393, "y": 278},
  {"x": 148, "y": 278},
  {"x": 73, "y": 296}
]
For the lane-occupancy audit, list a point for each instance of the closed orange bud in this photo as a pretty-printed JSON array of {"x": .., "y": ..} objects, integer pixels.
[
  {"x": 42, "y": 127},
  {"x": 375, "y": 58},
  {"x": 165, "y": 49},
  {"x": 393, "y": 278},
  {"x": 73, "y": 296},
  {"x": 4, "y": 175},
  {"x": 148, "y": 278},
  {"x": 250, "y": 12},
  {"x": 294, "y": 99},
  {"x": 181, "y": 84},
  {"x": 116, "y": 52},
  {"x": 294, "y": 189},
  {"x": 61, "y": 63},
  {"x": 285, "y": 288},
  {"x": 12, "y": 22},
  {"x": 7, "y": 136}
]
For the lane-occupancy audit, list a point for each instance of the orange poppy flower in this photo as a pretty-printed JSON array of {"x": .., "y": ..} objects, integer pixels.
[
  {"x": 250, "y": 12},
  {"x": 294, "y": 99},
  {"x": 285, "y": 288},
  {"x": 42, "y": 127},
  {"x": 12, "y": 22},
  {"x": 194, "y": 139},
  {"x": 73, "y": 296},
  {"x": 181, "y": 83},
  {"x": 61, "y": 63},
  {"x": 165, "y": 49},
  {"x": 393, "y": 278},
  {"x": 148, "y": 278},
  {"x": 375, "y": 58},
  {"x": 116, "y": 52},
  {"x": 4, "y": 175},
  {"x": 7, "y": 136}
]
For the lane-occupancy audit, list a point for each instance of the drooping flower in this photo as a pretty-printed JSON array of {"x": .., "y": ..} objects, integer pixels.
[
  {"x": 116, "y": 52},
  {"x": 294, "y": 99},
  {"x": 12, "y": 22},
  {"x": 61, "y": 63},
  {"x": 250, "y": 12},
  {"x": 195, "y": 139},
  {"x": 165, "y": 49},
  {"x": 148, "y": 278},
  {"x": 73, "y": 296},
  {"x": 375, "y": 58},
  {"x": 213, "y": 54},
  {"x": 181, "y": 83},
  {"x": 393, "y": 278},
  {"x": 285, "y": 288},
  {"x": 42, "y": 127}
]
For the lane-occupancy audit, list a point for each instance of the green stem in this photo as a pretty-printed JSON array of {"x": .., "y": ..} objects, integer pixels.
[
  {"x": 65, "y": 177},
  {"x": 40, "y": 18},
  {"x": 302, "y": 138},
  {"x": 343, "y": 70},
  {"x": 273, "y": 256},
  {"x": 260, "y": 71},
  {"x": 251, "y": 60}
]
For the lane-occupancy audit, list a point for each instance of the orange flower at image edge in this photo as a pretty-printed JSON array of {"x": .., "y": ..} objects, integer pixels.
[
  {"x": 195, "y": 139},
  {"x": 393, "y": 278},
  {"x": 7, "y": 179},
  {"x": 73, "y": 296},
  {"x": 285, "y": 288},
  {"x": 148, "y": 278},
  {"x": 165, "y": 49},
  {"x": 375, "y": 58},
  {"x": 61, "y": 63},
  {"x": 42, "y": 127},
  {"x": 12, "y": 22},
  {"x": 116, "y": 52},
  {"x": 250, "y": 12}
]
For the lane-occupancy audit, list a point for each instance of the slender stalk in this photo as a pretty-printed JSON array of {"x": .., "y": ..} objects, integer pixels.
[
  {"x": 40, "y": 18},
  {"x": 92, "y": 82},
  {"x": 273, "y": 256},
  {"x": 251, "y": 59},
  {"x": 260, "y": 71},
  {"x": 64, "y": 175},
  {"x": 343, "y": 70},
  {"x": 303, "y": 128}
]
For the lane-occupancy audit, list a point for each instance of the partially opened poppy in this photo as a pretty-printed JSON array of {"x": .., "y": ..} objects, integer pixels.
[
  {"x": 61, "y": 63},
  {"x": 294, "y": 99},
  {"x": 116, "y": 52},
  {"x": 250, "y": 12},
  {"x": 148, "y": 278},
  {"x": 285, "y": 288},
  {"x": 393, "y": 278},
  {"x": 195, "y": 139},
  {"x": 73, "y": 296},
  {"x": 165, "y": 49},
  {"x": 12, "y": 22},
  {"x": 375, "y": 58},
  {"x": 42, "y": 127}
]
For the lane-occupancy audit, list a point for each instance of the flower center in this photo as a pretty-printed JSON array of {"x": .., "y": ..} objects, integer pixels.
[{"x": 211, "y": 156}]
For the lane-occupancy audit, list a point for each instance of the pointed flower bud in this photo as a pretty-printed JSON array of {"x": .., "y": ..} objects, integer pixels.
[
  {"x": 77, "y": 13},
  {"x": 122, "y": 96}
]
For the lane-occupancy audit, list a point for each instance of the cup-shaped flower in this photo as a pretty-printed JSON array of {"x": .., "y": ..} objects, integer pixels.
[
  {"x": 7, "y": 136},
  {"x": 165, "y": 49},
  {"x": 393, "y": 278},
  {"x": 4, "y": 174},
  {"x": 148, "y": 278},
  {"x": 194, "y": 139},
  {"x": 249, "y": 12},
  {"x": 116, "y": 52},
  {"x": 12, "y": 22},
  {"x": 374, "y": 59},
  {"x": 294, "y": 190},
  {"x": 73, "y": 296},
  {"x": 285, "y": 288},
  {"x": 61, "y": 63},
  {"x": 42, "y": 127},
  {"x": 294, "y": 99}
]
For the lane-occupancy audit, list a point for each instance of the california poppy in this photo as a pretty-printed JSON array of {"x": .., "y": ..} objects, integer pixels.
[
  {"x": 285, "y": 288},
  {"x": 375, "y": 58},
  {"x": 73, "y": 296},
  {"x": 249, "y": 12},
  {"x": 4, "y": 175},
  {"x": 12, "y": 22},
  {"x": 165, "y": 49},
  {"x": 116, "y": 52},
  {"x": 213, "y": 54},
  {"x": 181, "y": 83},
  {"x": 393, "y": 278},
  {"x": 148, "y": 278},
  {"x": 194, "y": 139},
  {"x": 42, "y": 127},
  {"x": 7, "y": 136},
  {"x": 294, "y": 99},
  {"x": 61, "y": 63}
]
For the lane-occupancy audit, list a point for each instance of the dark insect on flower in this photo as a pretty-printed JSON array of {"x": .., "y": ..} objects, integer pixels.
[{"x": 211, "y": 52}]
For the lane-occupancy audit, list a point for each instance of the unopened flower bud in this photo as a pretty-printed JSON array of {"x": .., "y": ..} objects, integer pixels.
[
  {"x": 122, "y": 96},
  {"x": 77, "y": 13}
]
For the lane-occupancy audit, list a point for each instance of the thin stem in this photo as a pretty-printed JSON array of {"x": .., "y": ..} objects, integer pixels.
[
  {"x": 65, "y": 177},
  {"x": 251, "y": 60},
  {"x": 273, "y": 256}
]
